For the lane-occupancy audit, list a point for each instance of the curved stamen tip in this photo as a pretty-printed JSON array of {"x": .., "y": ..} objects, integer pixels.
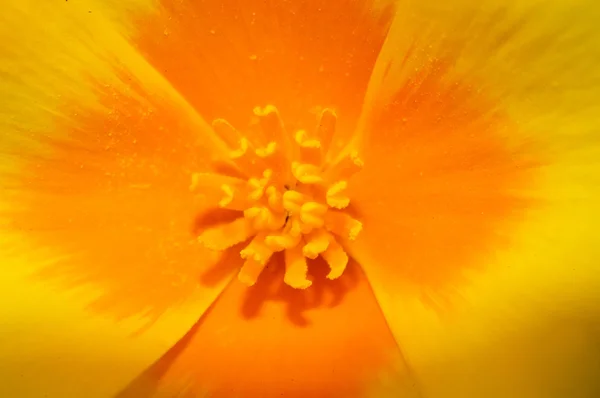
[
  {"x": 297, "y": 283},
  {"x": 267, "y": 151},
  {"x": 355, "y": 231},
  {"x": 264, "y": 111},
  {"x": 356, "y": 159}
]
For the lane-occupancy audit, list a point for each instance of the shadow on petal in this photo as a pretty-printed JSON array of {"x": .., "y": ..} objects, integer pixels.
[{"x": 269, "y": 340}]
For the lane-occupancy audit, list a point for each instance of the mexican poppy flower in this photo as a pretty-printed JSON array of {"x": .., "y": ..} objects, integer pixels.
[{"x": 344, "y": 198}]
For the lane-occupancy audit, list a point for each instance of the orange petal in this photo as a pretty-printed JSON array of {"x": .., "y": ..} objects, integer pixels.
[
  {"x": 111, "y": 201},
  {"x": 329, "y": 341},
  {"x": 300, "y": 56},
  {"x": 445, "y": 187}
]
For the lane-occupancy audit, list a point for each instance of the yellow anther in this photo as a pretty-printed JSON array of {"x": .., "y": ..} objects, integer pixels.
[
  {"x": 267, "y": 151},
  {"x": 257, "y": 250},
  {"x": 271, "y": 123},
  {"x": 262, "y": 218},
  {"x": 251, "y": 213},
  {"x": 306, "y": 173},
  {"x": 265, "y": 111},
  {"x": 310, "y": 149},
  {"x": 281, "y": 242},
  {"x": 256, "y": 193},
  {"x": 296, "y": 269},
  {"x": 293, "y": 200},
  {"x": 229, "y": 194},
  {"x": 302, "y": 139},
  {"x": 267, "y": 174},
  {"x": 219, "y": 190},
  {"x": 317, "y": 243},
  {"x": 298, "y": 227},
  {"x": 274, "y": 199},
  {"x": 257, "y": 186},
  {"x": 335, "y": 196},
  {"x": 342, "y": 224},
  {"x": 209, "y": 183},
  {"x": 345, "y": 168},
  {"x": 337, "y": 259},
  {"x": 311, "y": 213},
  {"x": 241, "y": 151},
  {"x": 224, "y": 236}
]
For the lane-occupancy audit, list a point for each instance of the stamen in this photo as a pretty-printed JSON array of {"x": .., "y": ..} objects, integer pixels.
[
  {"x": 306, "y": 173},
  {"x": 337, "y": 259},
  {"x": 224, "y": 236},
  {"x": 282, "y": 242},
  {"x": 298, "y": 227},
  {"x": 241, "y": 150},
  {"x": 278, "y": 147},
  {"x": 342, "y": 224},
  {"x": 293, "y": 200},
  {"x": 288, "y": 203},
  {"x": 317, "y": 243},
  {"x": 275, "y": 199},
  {"x": 211, "y": 187},
  {"x": 296, "y": 269},
  {"x": 257, "y": 254},
  {"x": 311, "y": 213},
  {"x": 250, "y": 272},
  {"x": 345, "y": 168},
  {"x": 257, "y": 186},
  {"x": 268, "y": 151},
  {"x": 226, "y": 132},
  {"x": 335, "y": 197},
  {"x": 310, "y": 149},
  {"x": 326, "y": 128},
  {"x": 233, "y": 197},
  {"x": 271, "y": 123},
  {"x": 263, "y": 218},
  {"x": 203, "y": 182},
  {"x": 257, "y": 250},
  {"x": 242, "y": 153}
]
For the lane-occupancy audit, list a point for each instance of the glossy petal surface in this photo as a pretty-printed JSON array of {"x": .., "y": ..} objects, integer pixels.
[{"x": 487, "y": 271}]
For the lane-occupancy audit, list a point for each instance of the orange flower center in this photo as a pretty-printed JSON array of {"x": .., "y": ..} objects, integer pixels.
[{"x": 291, "y": 198}]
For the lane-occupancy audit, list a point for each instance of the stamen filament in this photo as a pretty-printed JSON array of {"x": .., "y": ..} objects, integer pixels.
[
  {"x": 325, "y": 129},
  {"x": 227, "y": 132},
  {"x": 345, "y": 168},
  {"x": 306, "y": 173},
  {"x": 224, "y": 236},
  {"x": 342, "y": 224},
  {"x": 335, "y": 196},
  {"x": 310, "y": 149},
  {"x": 317, "y": 243},
  {"x": 337, "y": 259},
  {"x": 296, "y": 269}
]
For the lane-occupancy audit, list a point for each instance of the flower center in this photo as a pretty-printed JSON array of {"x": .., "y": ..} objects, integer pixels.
[{"x": 290, "y": 200}]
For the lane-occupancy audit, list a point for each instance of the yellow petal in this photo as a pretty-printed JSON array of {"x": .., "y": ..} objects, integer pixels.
[
  {"x": 480, "y": 142},
  {"x": 97, "y": 150}
]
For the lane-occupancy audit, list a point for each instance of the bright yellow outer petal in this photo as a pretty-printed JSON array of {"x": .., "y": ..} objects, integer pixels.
[
  {"x": 525, "y": 322},
  {"x": 51, "y": 57}
]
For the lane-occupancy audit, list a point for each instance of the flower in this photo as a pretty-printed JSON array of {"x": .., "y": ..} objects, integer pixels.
[{"x": 299, "y": 198}]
